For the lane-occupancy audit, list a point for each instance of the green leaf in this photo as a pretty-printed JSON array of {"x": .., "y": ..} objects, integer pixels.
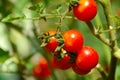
[
  {"x": 40, "y": 8},
  {"x": 116, "y": 19},
  {"x": 3, "y": 58},
  {"x": 58, "y": 8},
  {"x": 45, "y": 41},
  {"x": 43, "y": 44},
  {"x": 34, "y": 7},
  {"x": 59, "y": 48},
  {"x": 3, "y": 53}
]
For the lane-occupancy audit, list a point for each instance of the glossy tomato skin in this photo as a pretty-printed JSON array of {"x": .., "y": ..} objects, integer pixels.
[
  {"x": 73, "y": 40},
  {"x": 79, "y": 71},
  {"x": 52, "y": 44},
  {"x": 87, "y": 58},
  {"x": 86, "y": 10},
  {"x": 41, "y": 70},
  {"x": 62, "y": 64}
]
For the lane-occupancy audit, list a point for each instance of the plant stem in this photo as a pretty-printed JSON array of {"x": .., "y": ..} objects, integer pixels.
[
  {"x": 91, "y": 27},
  {"x": 113, "y": 63},
  {"x": 107, "y": 10},
  {"x": 108, "y": 30},
  {"x": 101, "y": 71}
]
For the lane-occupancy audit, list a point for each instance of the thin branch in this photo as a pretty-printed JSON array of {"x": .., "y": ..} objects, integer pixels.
[
  {"x": 101, "y": 71},
  {"x": 91, "y": 27},
  {"x": 108, "y": 30},
  {"x": 62, "y": 17},
  {"x": 111, "y": 24}
]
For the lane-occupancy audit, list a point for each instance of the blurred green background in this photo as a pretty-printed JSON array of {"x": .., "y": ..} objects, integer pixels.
[{"x": 20, "y": 26}]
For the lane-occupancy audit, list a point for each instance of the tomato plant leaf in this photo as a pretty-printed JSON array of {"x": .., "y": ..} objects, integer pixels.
[
  {"x": 43, "y": 44},
  {"x": 59, "y": 48},
  {"x": 116, "y": 19},
  {"x": 33, "y": 8},
  {"x": 3, "y": 53},
  {"x": 58, "y": 8}
]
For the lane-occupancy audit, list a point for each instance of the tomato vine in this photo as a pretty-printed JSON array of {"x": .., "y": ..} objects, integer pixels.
[{"x": 67, "y": 48}]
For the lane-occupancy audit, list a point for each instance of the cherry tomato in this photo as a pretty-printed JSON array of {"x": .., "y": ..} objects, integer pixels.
[
  {"x": 86, "y": 10},
  {"x": 73, "y": 40},
  {"x": 79, "y": 71},
  {"x": 41, "y": 70},
  {"x": 37, "y": 71},
  {"x": 87, "y": 58},
  {"x": 62, "y": 63},
  {"x": 52, "y": 44}
]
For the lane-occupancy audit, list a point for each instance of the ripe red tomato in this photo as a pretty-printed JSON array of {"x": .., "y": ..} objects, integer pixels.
[
  {"x": 73, "y": 40},
  {"x": 87, "y": 58},
  {"x": 52, "y": 44},
  {"x": 62, "y": 63},
  {"x": 37, "y": 72},
  {"x": 86, "y": 10},
  {"x": 79, "y": 71},
  {"x": 41, "y": 70}
]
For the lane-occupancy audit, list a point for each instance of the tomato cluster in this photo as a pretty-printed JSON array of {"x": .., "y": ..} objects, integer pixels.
[
  {"x": 72, "y": 54},
  {"x": 86, "y": 10}
]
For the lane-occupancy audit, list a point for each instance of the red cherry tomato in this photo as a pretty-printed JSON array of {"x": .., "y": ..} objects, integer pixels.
[
  {"x": 87, "y": 58},
  {"x": 86, "y": 10},
  {"x": 52, "y": 44},
  {"x": 73, "y": 40},
  {"x": 62, "y": 63},
  {"x": 79, "y": 71},
  {"x": 37, "y": 72},
  {"x": 41, "y": 70}
]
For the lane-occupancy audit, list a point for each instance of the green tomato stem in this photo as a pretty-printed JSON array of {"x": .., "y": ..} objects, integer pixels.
[
  {"x": 91, "y": 27},
  {"x": 101, "y": 71},
  {"x": 112, "y": 35}
]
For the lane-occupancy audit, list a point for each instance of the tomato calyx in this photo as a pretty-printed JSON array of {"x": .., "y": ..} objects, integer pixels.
[
  {"x": 62, "y": 53},
  {"x": 73, "y": 57},
  {"x": 72, "y": 4},
  {"x": 52, "y": 40},
  {"x": 45, "y": 38},
  {"x": 63, "y": 63}
]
